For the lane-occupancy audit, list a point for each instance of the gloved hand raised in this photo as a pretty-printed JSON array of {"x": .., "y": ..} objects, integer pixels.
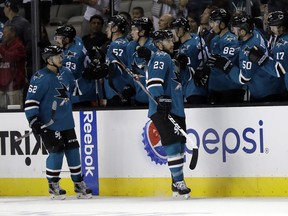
[
  {"x": 95, "y": 70},
  {"x": 257, "y": 56},
  {"x": 220, "y": 62},
  {"x": 36, "y": 126},
  {"x": 164, "y": 106}
]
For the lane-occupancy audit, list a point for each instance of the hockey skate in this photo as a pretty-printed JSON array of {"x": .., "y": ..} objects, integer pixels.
[
  {"x": 56, "y": 192},
  {"x": 180, "y": 189},
  {"x": 82, "y": 191}
]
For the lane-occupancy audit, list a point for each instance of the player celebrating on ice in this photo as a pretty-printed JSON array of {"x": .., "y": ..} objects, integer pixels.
[
  {"x": 164, "y": 87},
  {"x": 54, "y": 84}
]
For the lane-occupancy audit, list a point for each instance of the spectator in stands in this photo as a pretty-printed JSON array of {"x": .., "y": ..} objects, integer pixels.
[
  {"x": 96, "y": 38},
  {"x": 193, "y": 23},
  {"x": 205, "y": 30},
  {"x": 101, "y": 8},
  {"x": 12, "y": 68},
  {"x": 165, "y": 21},
  {"x": 44, "y": 11},
  {"x": 137, "y": 12},
  {"x": 160, "y": 7},
  {"x": 23, "y": 27}
]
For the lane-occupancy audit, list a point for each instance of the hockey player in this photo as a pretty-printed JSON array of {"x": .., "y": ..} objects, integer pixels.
[
  {"x": 48, "y": 86},
  {"x": 191, "y": 56},
  {"x": 278, "y": 22},
  {"x": 164, "y": 87},
  {"x": 141, "y": 42},
  {"x": 249, "y": 71},
  {"x": 116, "y": 81},
  {"x": 76, "y": 59},
  {"x": 221, "y": 88}
]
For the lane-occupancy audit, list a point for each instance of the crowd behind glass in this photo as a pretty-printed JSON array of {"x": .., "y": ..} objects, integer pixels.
[{"x": 16, "y": 47}]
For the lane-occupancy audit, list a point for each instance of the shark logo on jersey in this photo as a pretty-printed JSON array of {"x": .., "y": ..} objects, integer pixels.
[
  {"x": 229, "y": 38},
  {"x": 71, "y": 54},
  {"x": 37, "y": 75},
  {"x": 184, "y": 48},
  {"x": 246, "y": 50},
  {"x": 120, "y": 41},
  {"x": 281, "y": 42},
  {"x": 62, "y": 94}
]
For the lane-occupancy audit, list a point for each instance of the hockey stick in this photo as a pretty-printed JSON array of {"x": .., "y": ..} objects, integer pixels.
[
  {"x": 54, "y": 107},
  {"x": 136, "y": 77}
]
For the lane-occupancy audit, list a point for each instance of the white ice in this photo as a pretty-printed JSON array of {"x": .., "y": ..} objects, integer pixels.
[{"x": 148, "y": 206}]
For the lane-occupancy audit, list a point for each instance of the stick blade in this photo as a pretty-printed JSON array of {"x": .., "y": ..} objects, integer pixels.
[{"x": 194, "y": 159}]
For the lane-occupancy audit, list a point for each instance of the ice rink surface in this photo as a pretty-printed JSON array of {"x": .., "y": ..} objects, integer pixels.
[{"x": 139, "y": 206}]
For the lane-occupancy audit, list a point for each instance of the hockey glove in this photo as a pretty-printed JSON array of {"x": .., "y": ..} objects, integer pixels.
[
  {"x": 95, "y": 71},
  {"x": 182, "y": 59},
  {"x": 95, "y": 53},
  {"x": 220, "y": 62},
  {"x": 128, "y": 92},
  {"x": 164, "y": 106},
  {"x": 36, "y": 126},
  {"x": 144, "y": 52},
  {"x": 257, "y": 56},
  {"x": 201, "y": 76}
]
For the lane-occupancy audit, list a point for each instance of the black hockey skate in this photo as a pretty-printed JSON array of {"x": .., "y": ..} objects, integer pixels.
[
  {"x": 82, "y": 191},
  {"x": 180, "y": 189},
  {"x": 56, "y": 192}
]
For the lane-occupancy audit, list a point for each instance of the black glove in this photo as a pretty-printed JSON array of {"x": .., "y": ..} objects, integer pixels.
[
  {"x": 201, "y": 76},
  {"x": 220, "y": 62},
  {"x": 164, "y": 106},
  {"x": 257, "y": 56},
  {"x": 182, "y": 59},
  {"x": 95, "y": 71},
  {"x": 128, "y": 92},
  {"x": 95, "y": 53},
  {"x": 144, "y": 52},
  {"x": 36, "y": 125}
]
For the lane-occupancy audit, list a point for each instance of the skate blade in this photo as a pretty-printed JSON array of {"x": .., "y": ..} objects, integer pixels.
[
  {"x": 83, "y": 196},
  {"x": 57, "y": 197},
  {"x": 176, "y": 195}
]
